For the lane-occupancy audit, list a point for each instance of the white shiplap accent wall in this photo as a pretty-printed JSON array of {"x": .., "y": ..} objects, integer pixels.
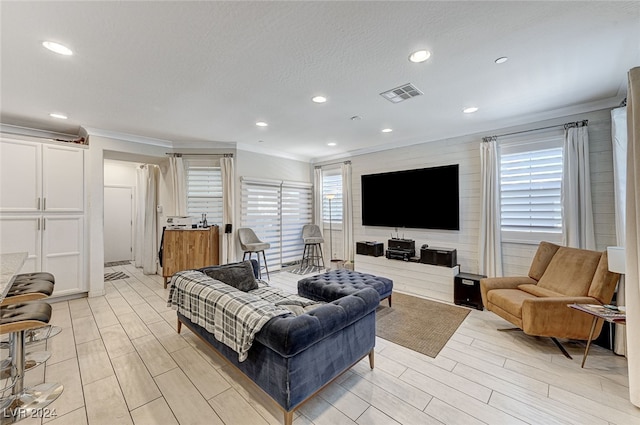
[{"x": 465, "y": 152}]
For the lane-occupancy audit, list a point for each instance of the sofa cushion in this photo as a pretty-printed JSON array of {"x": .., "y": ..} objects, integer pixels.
[
  {"x": 570, "y": 271},
  {"x": 538, "y": 291},
  {"x": 238, "y": 275},
  {"x": 544, "y": 254},
  {"x": 509, "y": 300}
]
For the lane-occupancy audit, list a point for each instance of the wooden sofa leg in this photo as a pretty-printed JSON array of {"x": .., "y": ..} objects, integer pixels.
[
  {"x": 288, "y": 418},
  {"x": 389, "y": 300},
  {"x": 371, "y": 359},
  {"x": 179, "y": 325}
]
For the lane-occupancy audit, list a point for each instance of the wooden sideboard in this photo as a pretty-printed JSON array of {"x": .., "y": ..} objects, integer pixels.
[{"x": 185, "y": 249}]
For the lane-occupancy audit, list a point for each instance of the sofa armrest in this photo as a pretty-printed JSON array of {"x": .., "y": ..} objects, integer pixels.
[
  {"x": 551, "y": 316},
  {"x": 291, "y": 335},
  {"x": 489, "y": 283}
]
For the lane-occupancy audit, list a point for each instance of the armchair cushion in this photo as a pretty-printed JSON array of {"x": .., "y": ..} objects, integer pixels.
[
  {"x": 570, "y": 271},
  {"x": 544, "y": 254}
]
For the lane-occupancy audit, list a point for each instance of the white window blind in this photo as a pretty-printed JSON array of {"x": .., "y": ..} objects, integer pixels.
[
  {"x": 204, "y": 189},
  {"x": 276, "y": 211},
  {"x": 530, "y": 191},
  {"x": 332, "y": 184}
]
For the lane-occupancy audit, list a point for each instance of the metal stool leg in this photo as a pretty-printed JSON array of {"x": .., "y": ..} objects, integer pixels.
[{"x": 265, "y": 263}]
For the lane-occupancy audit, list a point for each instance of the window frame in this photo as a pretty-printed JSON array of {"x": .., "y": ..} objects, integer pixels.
[
  {"x": 332, "y": 176},
  {"x": 214, "y": 215},
  {"x": 532, "y": 143}
]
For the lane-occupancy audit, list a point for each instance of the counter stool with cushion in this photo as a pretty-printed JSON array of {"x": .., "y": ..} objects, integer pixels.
[
  {"x": 29, "y": 287},
  {"x": 16, "y": 319},
  {"x": 312, "y": 258},
  {"x": 250, "y": 243}
]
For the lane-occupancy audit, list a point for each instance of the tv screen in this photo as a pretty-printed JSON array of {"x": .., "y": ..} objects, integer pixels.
[{"x": 425, "y": 198}]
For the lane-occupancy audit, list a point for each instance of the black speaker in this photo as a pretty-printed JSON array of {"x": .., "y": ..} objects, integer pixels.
[
  {"x": 439, "y": 256},
  {"x": 373, "y": 249},
  {"x": 466, "y": 290}
]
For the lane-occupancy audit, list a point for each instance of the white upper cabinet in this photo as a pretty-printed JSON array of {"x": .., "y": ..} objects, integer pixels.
[
  {"x": 41, "y": 177},
  {"x": 20, "y": 176},
  {"x": 62, "y": 179}
]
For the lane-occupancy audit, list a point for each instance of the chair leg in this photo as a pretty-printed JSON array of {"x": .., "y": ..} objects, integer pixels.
[
  {"x": 321, "y": 256},
  {"x": 564, "y": 351},
  {"x": 265, "y": 264}
]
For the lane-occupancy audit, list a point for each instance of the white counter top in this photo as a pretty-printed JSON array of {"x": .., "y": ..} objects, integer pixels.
[{"x": 10, "y": 265}]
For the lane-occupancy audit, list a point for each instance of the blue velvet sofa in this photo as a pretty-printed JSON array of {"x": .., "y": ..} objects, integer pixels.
[{"x": 293, "y": 357}]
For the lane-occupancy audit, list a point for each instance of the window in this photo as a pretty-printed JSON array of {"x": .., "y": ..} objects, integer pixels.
[
  {"x": 530, "y": 190},
  {"x": 204, "y": 189},
  {"x": 276, "y": 211},
  {"x": 332, "y": 185}
]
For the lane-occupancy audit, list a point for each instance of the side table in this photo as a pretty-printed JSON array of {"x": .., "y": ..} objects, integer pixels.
[{"x": 599, "y": 313}]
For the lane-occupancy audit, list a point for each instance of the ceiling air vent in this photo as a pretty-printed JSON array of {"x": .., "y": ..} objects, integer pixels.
[{"x": 404, "y": 92}]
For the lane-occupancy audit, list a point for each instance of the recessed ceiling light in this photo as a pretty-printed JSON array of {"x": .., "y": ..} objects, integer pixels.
[
  {"x": 319, "y": 99},
  {"x": 331, "y": 144},
  {"x": 57, "y": 48},
  {"x": 470, "y": 110},
  {"x": 355, "y": 118},
  {"x": 419, "y": 56},
  {"x": 503, "y": 59},
  {"x": 58, "y": 116},
  {"x": 387, "y": 130},
  {"x": 261, "y": 124}
]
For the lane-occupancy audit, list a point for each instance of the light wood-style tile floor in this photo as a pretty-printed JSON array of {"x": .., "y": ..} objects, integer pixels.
[{"x": 122, "y": 362}]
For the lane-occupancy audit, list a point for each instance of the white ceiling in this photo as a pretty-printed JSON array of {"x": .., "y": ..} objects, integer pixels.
[{"x": 206, "y": 71}]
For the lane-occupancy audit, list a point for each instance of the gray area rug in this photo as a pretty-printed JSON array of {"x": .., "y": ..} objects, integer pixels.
[{"x": 416, "y": 323}]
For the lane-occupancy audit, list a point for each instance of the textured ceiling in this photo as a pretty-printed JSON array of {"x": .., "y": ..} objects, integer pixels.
[{"x": 193, "y": 72}]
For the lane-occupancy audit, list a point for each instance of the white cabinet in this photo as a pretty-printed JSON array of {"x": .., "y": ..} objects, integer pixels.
[
  {"x": 41, "y": 177},
  {"x": 42, "y": 203}
]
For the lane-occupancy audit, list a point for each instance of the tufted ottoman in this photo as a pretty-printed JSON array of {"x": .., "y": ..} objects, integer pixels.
[{"x": 342, "y": 282}]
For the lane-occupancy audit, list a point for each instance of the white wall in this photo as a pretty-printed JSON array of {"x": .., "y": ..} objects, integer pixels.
[{"x": 465, "y": 152}]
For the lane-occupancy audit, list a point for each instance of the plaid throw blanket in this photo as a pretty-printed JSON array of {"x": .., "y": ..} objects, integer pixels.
[{"x": 233, "y": 317}]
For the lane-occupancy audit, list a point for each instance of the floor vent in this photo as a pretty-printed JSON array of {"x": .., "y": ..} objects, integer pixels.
[{"x": 404, "y": 92}]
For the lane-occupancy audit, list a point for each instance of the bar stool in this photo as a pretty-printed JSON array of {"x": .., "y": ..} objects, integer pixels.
[
  {"x": 312, "y": 255},
  {"x": 250, "y": 243},
  {"x": 29, "y": 287},
  {"x": 15, "y": 320}
]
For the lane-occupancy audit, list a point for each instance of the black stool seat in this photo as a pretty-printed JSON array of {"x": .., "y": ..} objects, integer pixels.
[
  {"x": 30, "y": 286},
  {"x": 14, "y": 313},
  {"x": 36, "y": 276}
]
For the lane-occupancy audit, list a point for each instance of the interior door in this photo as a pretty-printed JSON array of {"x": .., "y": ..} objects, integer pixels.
[{"x": 118, "y": 223}]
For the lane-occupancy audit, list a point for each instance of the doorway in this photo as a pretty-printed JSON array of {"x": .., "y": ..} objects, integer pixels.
[{"x": 118, "y": 223}]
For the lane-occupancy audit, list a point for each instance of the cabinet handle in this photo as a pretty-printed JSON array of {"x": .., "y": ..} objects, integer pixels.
[
  {"x": 38, "y": 225},
  {"x": 44, "y": 204},
  {"x": 38, "y": 204},
  {"x": 44, "y": 223}
]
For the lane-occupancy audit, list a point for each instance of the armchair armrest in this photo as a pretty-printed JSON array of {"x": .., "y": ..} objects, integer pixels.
[
  {"x": 489, "y": 283},
  {"x": 551, "y": 316}
]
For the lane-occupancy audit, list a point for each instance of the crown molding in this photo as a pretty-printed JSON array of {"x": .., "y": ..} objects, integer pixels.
[{"x": 92, "y": 131}]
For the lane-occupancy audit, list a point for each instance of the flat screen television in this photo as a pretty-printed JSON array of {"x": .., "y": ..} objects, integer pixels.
[{"x": 425, "y": 198}]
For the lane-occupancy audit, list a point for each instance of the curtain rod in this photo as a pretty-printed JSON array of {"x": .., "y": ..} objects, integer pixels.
[
  {"x": 333, "y": 163},
  {"x": 566, "y": 125},
  {"x": 225, "y": 155}
]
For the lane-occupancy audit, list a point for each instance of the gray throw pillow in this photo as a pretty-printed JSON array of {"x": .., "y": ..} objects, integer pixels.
[{"x": 238, "y": 275}]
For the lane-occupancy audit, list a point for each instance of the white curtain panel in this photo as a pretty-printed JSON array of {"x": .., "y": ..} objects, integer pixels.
[
  {"x": 150, "y": 237},
  {"x": 490, "y": 241},
  {"x": 178, "y": 185},
  {"x": 347, "y": 213},
  {"x": 632, "y": 235},
  {"x": 577, "y": 210},
  {"x": 227, "y": 170},
  {"x": 141, "y": 196},
  {"x": 619, "y": 147}
]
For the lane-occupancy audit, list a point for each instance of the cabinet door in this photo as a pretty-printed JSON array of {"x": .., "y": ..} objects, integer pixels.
[
  {"x": 62, "y": 178},
  {"x": 22, "y": 234},
  {"x": 62, "y": 249},
  {"x": 20, "y": 176}
]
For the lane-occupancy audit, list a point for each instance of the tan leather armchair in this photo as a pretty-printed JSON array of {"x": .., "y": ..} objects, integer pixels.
[{"x": 558, "y": 276}]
